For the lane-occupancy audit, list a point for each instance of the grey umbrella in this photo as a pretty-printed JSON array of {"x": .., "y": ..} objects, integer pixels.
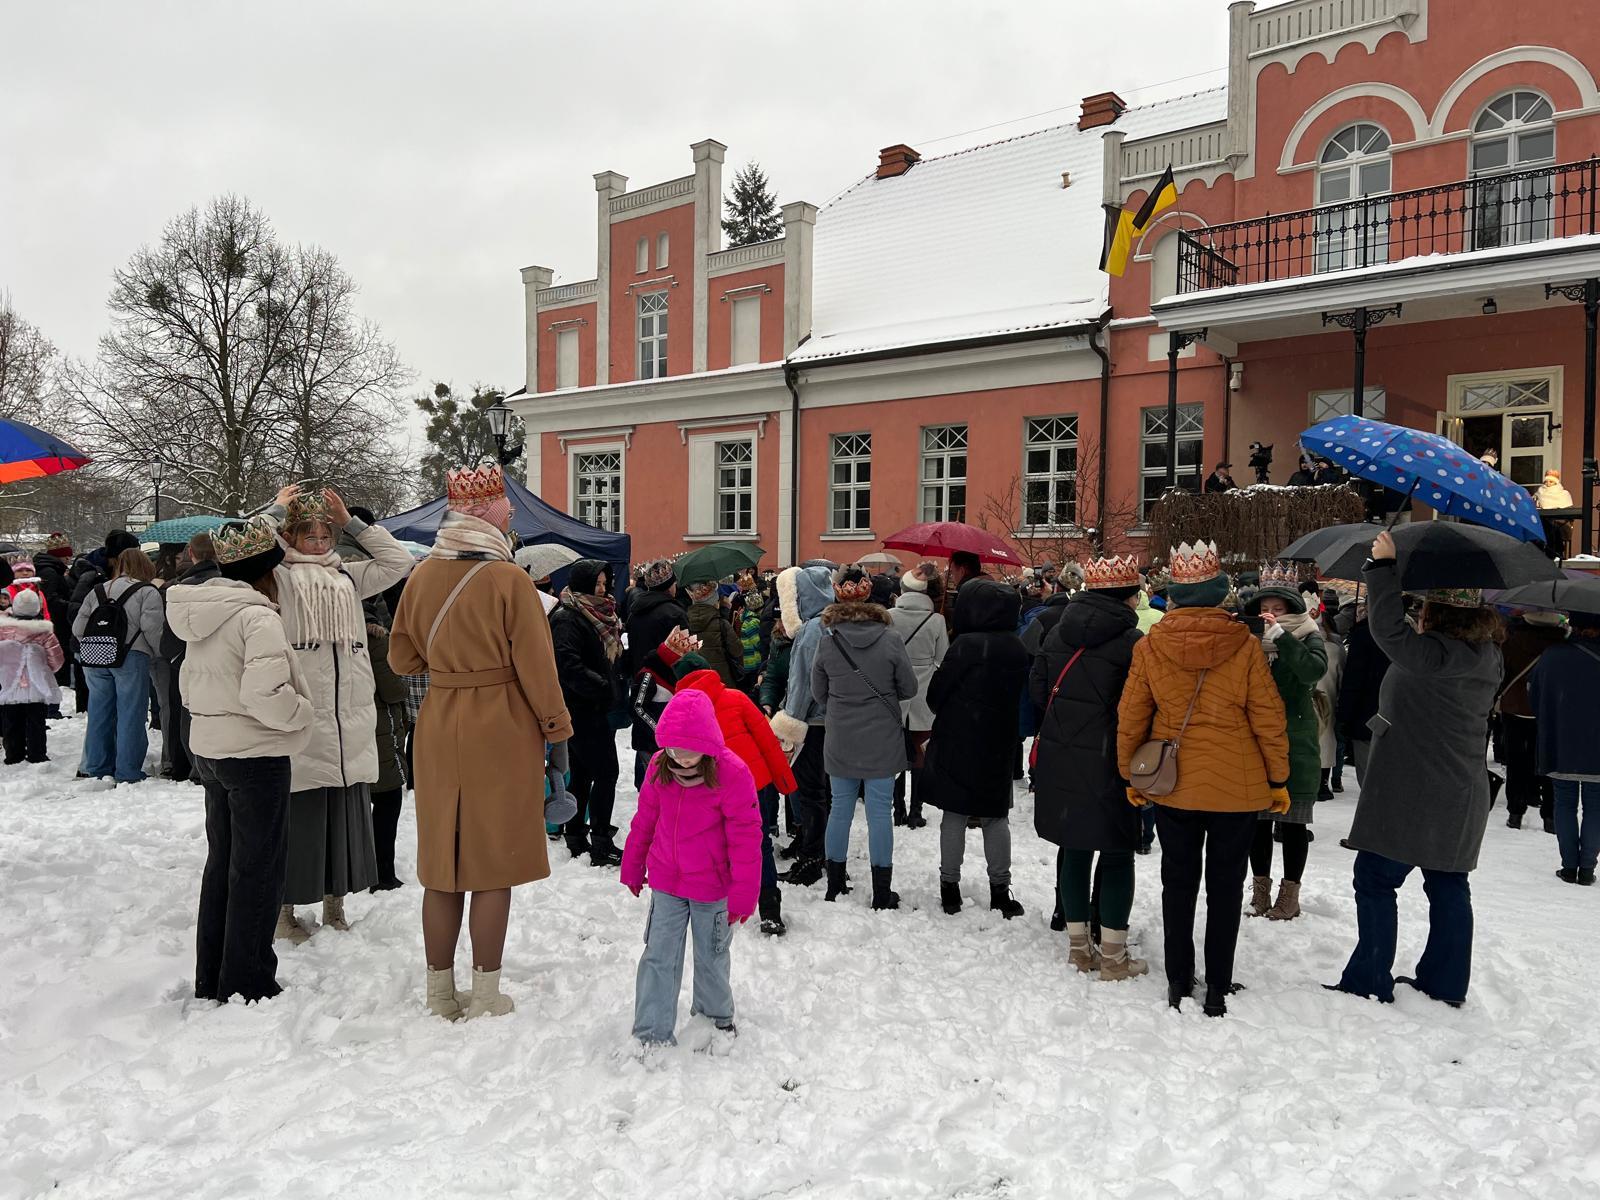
[
  {"x": 545, "y": 559},
  {"x": 1560, "y": 595}
]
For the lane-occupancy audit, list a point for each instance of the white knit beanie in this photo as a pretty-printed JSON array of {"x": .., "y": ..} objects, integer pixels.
[
  {"x": 912, "y": 582},
  {"x": 26, "y": 603}
]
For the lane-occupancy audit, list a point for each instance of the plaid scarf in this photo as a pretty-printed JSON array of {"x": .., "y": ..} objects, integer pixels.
[{"x": 600, "y": 612}]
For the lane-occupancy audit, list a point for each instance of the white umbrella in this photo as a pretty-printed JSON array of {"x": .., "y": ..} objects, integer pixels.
[
  {"x": 546, "y": 558},
  {"x": 879, "y": 558}
]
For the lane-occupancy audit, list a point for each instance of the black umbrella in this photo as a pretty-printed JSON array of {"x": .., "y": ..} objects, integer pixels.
[
  {"x": 1562, "y": 595},
  {"x": 1327, "y": 546},
  {"x": 1445, "y": 554}
]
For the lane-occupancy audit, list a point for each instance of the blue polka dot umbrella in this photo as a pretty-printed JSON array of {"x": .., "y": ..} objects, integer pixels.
[{"x": 1431, "y": 468}]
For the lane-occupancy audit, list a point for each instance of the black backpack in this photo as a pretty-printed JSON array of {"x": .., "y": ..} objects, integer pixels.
[{"x": 105, "y": 640}]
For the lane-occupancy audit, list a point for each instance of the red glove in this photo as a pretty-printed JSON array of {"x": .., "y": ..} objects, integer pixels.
[
  {"x": 737, "y": 917},
  {"x": 635, "y": 888}
]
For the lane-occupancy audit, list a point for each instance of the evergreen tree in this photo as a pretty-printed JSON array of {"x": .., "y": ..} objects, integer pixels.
[
  {"x": 458, "y": 435},
  {"x": 752, "y": 208}
]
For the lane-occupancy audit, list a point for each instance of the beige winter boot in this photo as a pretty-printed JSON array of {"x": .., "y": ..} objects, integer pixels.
[
  {"x": 486, "y": 999},
  {"x": 333, "y": 913},
  {"x": 442, "y": 998},
  {"x": 1260, "y": 895},
  {"x": 1288, "y": 906},
  {"x": 289, "y": 930},
  {"x": 1115, "y": 961},
  {"x": 1081, "y": 952}
]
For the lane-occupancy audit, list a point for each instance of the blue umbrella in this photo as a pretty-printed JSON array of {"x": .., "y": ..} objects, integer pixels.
[
  {"x": 1432, "y": 468},
  {"x": 180, "y": 529}
]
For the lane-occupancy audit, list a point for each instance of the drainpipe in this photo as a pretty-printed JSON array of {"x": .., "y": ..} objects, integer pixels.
[
  {"x": 1103, "y": 353},
  {"x": 1227, "y": 411},
  {"x": 791, "y": 380}
]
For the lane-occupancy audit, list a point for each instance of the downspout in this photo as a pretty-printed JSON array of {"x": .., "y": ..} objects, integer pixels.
[
  {"x": 1105, "y": 416},
  {"x": 791, "y": 379},
  {"x": 1227, "y": 411}
]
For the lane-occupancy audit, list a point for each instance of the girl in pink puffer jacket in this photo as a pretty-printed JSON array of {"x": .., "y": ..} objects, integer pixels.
[{"x": 696, "y": 839}]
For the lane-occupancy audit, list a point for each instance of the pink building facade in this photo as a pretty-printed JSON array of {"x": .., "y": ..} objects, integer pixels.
[{"x": 936, "y": 343}]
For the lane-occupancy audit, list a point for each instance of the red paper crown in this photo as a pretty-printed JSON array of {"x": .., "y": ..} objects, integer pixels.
[
  {"x": 1194, "y": 564},
  {"x": 1118, "y": 571},
  {"x": 475, "y": 485}
]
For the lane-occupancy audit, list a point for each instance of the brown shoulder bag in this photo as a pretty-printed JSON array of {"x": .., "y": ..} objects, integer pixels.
[{"x": 1154, "y": 769}]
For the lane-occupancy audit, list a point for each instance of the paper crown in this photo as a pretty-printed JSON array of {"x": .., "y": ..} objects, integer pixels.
[
  {"x": 308, "y": 507},
  {"x": 57, "y": 541},
  {"x": 235, "y": 543},
  {"x": 1455, "y": 597},
  {"x": 656, "y": 574},
  {"x": 475, "y": 485},
  {"x": 1193, "y": 564},
  {"x": 1118, "y": 571},
  {"x": 1279, "y": 575}
]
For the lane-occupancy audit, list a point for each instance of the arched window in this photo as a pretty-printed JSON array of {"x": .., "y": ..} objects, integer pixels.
[
  {"x": 1511, "y": 138},
  {"x": 1354, "y": 166}
]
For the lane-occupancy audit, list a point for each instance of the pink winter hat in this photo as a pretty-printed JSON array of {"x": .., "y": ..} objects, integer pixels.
[{"x": 690, "y": 723}]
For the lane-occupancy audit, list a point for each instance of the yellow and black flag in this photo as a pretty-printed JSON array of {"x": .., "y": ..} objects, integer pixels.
[{"x": 1122, "y": 226}]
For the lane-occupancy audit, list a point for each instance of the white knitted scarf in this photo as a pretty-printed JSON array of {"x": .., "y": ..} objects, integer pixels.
[
  {"x": 321, "y": 604},
  {"x": 462, "y": 535}
]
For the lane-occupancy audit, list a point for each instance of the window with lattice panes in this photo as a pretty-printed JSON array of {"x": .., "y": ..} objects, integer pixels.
[
  {"x": 653, "y": 335},
  {"x": 850, "y": 483},
  {"x": 944, "y": 473},
  {"x": 597, "y": 489},
  {"x": 1153, "y": 452},
  {"x": 1354, "y": 165},
  {"x": 1340, "y": 402},
  {"x": 1050, "y": 471},
  {"x": 1511, "y": 135},
  {"x": 736, "y": 494},
  {"x": 1504, "y": 393}
]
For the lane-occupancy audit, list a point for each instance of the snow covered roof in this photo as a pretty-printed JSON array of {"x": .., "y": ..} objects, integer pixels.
[{"x": 981, "y": 242}]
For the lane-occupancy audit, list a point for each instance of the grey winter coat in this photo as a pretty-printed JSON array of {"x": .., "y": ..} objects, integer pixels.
[
  {"x": 803, "y": 594},
  {"x": 1425, "y": 797},
  {"x": 926, "y": 639},
  {"x": 146, "y": 615},
  {"x": 865, "y": 738}
]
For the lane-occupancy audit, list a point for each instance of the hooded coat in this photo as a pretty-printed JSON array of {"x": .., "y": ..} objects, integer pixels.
[
  {"x": 803, "y": 594},
  {"x": 246, "y": 694},
  {"x": 591, "y": 683},
  {"x": 698, "y": 843},
  {"x": 1236, "y": 748},
  {"x": 865, "y": 738},
  {"x": 30, "y": 656},
  {"x": 974, "y": 699},
  {"x": 1080, "y": 801},
  {"x": 1297, "y": 668},
  {"x": 922, "y": 629},
  {"x": 651, "y": 619},
  {"x": 719, "y": 641},
  {"x": 1425, "y": 795},
  {"x": 744, "y": 730}
]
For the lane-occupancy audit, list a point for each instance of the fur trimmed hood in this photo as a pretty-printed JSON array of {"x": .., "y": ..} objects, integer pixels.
[{"x": 854, "y": 612}]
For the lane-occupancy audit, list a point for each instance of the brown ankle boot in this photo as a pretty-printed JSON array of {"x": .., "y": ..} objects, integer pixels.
[
  {"x": 1288, "y": 906},
  {"x": 1260, "y": 895},
  {"x": 1081, "y": 951},
  {"x": 1115, "y": 961}
]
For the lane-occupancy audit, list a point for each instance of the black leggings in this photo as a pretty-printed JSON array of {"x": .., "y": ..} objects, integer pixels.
[{"x": 1295, "y": 848}]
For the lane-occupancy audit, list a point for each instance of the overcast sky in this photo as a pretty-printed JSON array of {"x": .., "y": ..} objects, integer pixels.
[{"x": 437, "y": 148}]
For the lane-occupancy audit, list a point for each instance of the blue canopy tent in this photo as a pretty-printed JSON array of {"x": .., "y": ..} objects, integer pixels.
[{"x": 534, "y": 522}]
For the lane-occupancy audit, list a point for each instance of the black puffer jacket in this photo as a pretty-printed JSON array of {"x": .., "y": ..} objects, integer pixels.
[
  {"x": 1079, "y": 798},
  {"x": 52, "y": 573},
  {"x": 651, "y": 618},
  {"x": 590, "y": 683},
  {"x": 974, "y": 696},
  {"x": 1039, "y": 628},
  {"x": 1365, "y": 665}
]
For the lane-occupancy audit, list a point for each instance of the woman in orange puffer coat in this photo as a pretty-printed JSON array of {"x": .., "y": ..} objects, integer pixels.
[{"x": 1233, "y": 762}]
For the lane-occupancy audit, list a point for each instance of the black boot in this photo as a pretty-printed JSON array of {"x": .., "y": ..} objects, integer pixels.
[
  {"x": 1058, "y": 919},
  {"x": 882, "y": 897},
  {"x": 1586, "y": 876},
  {"x": 950, "y": 897},
  {"x": 1216, "y": 1003},
  {"x": 771, "y": 910},
  {"x": 1325, "y": 789},
  {"x": 603, "y": 852},
  {"x": 1337, "y": 781},
  {"x": 1003, "y": 902},
  {"x": 914, "y": 817},
  {"x": 899, "y": 810},
  {"x": 805, "y": 872},
  {"x": 1514, "y": 821},
  {"x": 792, "y": 850},
  {"x": 1177, "y": 994},
  {"x": 577, "y": 841},
  {"x": 838, "y": 883}
]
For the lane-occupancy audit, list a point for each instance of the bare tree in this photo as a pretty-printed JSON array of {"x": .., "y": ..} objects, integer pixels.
[
  {"x": 27, "y": 364},
  {"x": 1046, "y": 525}
]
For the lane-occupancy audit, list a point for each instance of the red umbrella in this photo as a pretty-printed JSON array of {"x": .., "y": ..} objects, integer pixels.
[{"x": 941, "y": 539}]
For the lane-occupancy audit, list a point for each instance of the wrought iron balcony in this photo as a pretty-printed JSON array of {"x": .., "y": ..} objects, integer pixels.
[{"x": 1490, "y": 212}]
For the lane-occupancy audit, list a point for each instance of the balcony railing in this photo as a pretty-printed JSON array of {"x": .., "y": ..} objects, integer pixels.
[{"x": 1489, "y": 212}]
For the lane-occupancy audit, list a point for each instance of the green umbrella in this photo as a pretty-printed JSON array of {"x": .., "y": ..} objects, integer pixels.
[
  {"x": 716, "y": 561},
  {"x": 181, "y": 529}
]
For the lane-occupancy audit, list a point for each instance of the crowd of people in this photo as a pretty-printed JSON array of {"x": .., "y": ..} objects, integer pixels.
[{"x": 305, "y": 671}]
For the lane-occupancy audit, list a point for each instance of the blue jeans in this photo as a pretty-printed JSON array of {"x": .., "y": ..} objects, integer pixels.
[
  {"x": 119, "y": 703},
  {"x": 1579, "y": 847},
  {"x": 655, "y": 1000},
  {"x": 1446, "y": 963},
  {"x": 880, "y": 818}
]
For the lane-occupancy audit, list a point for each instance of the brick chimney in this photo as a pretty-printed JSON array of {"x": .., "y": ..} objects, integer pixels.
[
  {"x": 1101, "y": 109},
  {"x": 896, "y": 160}
]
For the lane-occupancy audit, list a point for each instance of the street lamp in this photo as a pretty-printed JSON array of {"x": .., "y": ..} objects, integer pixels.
[
  {"x": 499, "y": 417},
  {"x": 158, "y": 471}
]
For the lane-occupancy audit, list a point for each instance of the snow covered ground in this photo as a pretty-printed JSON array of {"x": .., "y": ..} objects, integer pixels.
[{"x": 904, "y": 1054}]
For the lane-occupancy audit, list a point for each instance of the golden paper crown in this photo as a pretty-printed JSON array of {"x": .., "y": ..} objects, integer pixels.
[
  {"x": 239, "y": 542},
  {"x": 308, "y": 507},
  {"x": 1194, "y": 564},
  {"x": 475, "y": 485},
  {"x": 1118, "y": 571},
  {"x": 1280, "y": 575}
]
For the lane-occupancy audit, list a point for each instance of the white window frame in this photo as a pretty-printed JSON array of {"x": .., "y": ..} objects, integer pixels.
[
  {"x": 855, "y": 458},
  {"x": 1324, "y": 404},
  {"x": 1531, "y": 217},
  {"x": 1456, "y": 387},
  {"x": 747, "y": 305},
  {"x": 1050, "y": 477},
  {"x": 944, "y": 478},
  {"x": 1363, "y": 242},
  {"x": 663, "y": 244},
  {"x": 567, "y": 338},
  {"x": 719, "y": 488},
  {"x": 575, "y": 501},
  {"x": 653, "y": 343},
  {"x": 1146, "y": 439}
]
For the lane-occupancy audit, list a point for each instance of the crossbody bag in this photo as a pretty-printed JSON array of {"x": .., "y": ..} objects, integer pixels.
[
  {"x": 1033, "y": 752},
  {"x": 891, "y": 705},
  {"x": 1154, "y": 769}
]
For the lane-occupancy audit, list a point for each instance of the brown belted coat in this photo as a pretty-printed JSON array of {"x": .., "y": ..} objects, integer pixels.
[{"x": 493, "y": 701}]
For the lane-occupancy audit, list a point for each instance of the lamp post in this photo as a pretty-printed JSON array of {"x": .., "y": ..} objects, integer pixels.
[
  {"x": 158, "y": 471},
  {"x": 499, "y": 417}
]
